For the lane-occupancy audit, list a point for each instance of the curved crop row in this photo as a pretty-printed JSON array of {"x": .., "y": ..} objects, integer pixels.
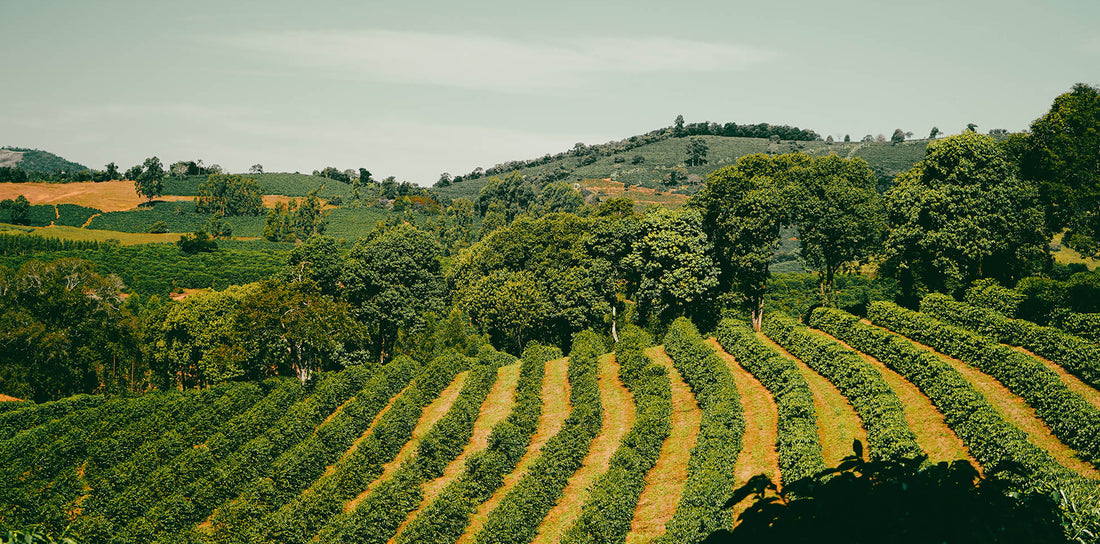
[
  {"x": 1075, "y": 354},
  {"x": 296, "y": 468},
  {"x": 1086, "y": 326},
  {"x": 799, "y": 441},
  {"x": 516, "y": 519},
  {"x": 710, "y": 468},
  {"x": 301, "y": 518},
  {"x": 377, "y": 518},
  {"x": 445, "y": 519},
  {"x": 606, "y": 515},
  {"x": 1070, "y": 418},
  {"x": 191, "y": 503},
  {"x": 883, "y": 416},
  {"x": 999, "y": 446},
  {"x": 29, "y": 415}
]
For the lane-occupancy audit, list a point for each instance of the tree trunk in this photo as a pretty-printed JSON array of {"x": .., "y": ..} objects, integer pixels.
[
  {"x": 614, "y": 331},
  {"x": 758, "y": 314}
]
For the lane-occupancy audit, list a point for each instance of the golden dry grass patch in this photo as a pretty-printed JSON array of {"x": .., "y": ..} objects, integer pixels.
[
  {"x": 109, "y": 196},
  {"x": 92, "y": 235}
]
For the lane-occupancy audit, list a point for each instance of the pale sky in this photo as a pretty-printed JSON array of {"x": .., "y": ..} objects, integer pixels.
[{"x": 413, "y": 89}]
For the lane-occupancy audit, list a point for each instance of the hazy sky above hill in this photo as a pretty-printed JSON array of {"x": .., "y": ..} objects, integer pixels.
[{"x": 413, "y": 89}]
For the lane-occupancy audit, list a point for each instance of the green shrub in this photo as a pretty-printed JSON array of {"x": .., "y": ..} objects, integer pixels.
[
  {"x": 799, "y": 444},
  {"x": 710, "y": 477},
  {"x": 879, "y": 409},
  {"x": 987, "y": 293},
  {"x": 1086, "y": 326}
]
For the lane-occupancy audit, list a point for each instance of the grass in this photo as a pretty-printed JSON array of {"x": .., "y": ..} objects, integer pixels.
[
  {"x": 758, "y": 452},
  {"x": 618, "y": 417},
  {"x": 428, "y": 418},
  {"x": 838, "y": 424},
  {"x": 665, "y": 481},
  {"x": 555, "y": 408},
  {"x": 109, "y": 196},
  {"x": 1092, "y": 396},
  {"x": 1066, "y": 255},
  {"x": 937, "y": 440},
  {"x": 95, "y": 235},
  {"x": 1016, "y": 410},
  {"x": 277, "y": 183}
]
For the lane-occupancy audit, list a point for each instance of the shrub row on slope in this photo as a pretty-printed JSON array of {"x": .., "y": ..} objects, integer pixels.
[
  {"x": 881, "y": 412},
  {"x": 377, "y": 518},
  {"x": 1002, "y": 449},
  {"x": 1072, "y": 419},
  {"x": 607, "y": 513},
  {"x": 191, "y": 503},
  {"x": 518, "y": 516},
  {"x": 28, "y": 415},
  {"x": 238, "y": 520},
  {"x": 445, "y": 519},
  {"x": 1075, "y": 354},
  {"x": 301, "y": 518},
  {"x": 1086, "y": 326},
  {"x": 799, "y": 441},
  {"x": 710, "y": 469}
]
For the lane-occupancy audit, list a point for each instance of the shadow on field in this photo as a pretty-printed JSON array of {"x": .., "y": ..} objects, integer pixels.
[{"x": 899, "y": 502}]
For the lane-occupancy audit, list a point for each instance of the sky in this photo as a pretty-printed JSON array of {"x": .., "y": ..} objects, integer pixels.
[{"x": 413, "y": 89}]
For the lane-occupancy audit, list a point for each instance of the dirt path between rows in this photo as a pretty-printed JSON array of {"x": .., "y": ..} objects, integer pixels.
[
  {"x": 555, "y": 408},
  {"x": 1092, "y": 396},
  {"x": 665, "y": 481},
  {"x": 838, "y": 424},
  {"x": 937, "y": 440},
  {"x": 758, "y": 447},
  {"x": 618, "y": 417}
]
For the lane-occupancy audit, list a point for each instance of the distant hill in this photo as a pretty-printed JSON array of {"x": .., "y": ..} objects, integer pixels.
[
  {"x": 653, "y": 164},
  {"x": 36, "y": 160}
]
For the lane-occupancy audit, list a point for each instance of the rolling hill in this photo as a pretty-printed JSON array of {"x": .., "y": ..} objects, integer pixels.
[{"x": 36, "y": 160}]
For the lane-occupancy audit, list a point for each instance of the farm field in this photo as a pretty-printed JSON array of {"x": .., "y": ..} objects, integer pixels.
[{"x": 379, "y": 453}]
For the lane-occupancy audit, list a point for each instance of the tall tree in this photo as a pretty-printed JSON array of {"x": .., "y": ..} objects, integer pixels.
[
  {"x": 960, "y": 214},
  {"x": 839, "y": 215},
  {"x": 697, "y": 152},
  {"x": 1061, "y": 154},
  {"x": 149, "y": 182},
  {"x": 744, "y": 205},
  {"x": 392, "y": 278},
  {"x": 898, "y": 136}
]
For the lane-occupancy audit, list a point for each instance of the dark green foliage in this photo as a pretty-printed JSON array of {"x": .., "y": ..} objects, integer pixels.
[
  {"x": 612, "y": 499},
  {"x": 1076, "y": 355},
  {"x": 229, "y": 195},
  {"x": 15, "y": 244},
  {"x": 1002, "y": 449},
  {"x": 510, "y": 195},
  {"x": 38, "y": 163},
  {"x": 377, "y": 517},
  {"x": 200, "y": 241},
  {"x": 300, "y": 519},
  {"x": 710, "y": 468},
  {"x": 1086, "y": 326},
  {"x": 799, "y": 294},
  {"x": 445, "y": 519},
  {"x": 987, "y": 293},
  {"x": 881, "y": 412},
  {"x": 1045, "y": 298},
  {"x": 19, "y": 211},
  {"x": 1070, "y": 418},
  {"x": 799, "y": 444},
  {"x": 518, "y": 516},
  {"x": 178, "y": 216},
  {"x": 148, "y": 181}
]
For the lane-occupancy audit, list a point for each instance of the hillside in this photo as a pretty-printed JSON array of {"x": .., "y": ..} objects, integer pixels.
[
  {"x": 36, "y": 160},
  {"x": 653, "y": 165}
]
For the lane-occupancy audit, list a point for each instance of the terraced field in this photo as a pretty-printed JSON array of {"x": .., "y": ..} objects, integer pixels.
[{"x": 642, "y": 441}]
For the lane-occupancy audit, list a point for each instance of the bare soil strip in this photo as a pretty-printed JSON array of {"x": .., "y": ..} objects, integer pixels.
[
  {"x": 838, "y": 424},
  {"x": 555, "y": 408},
  {"x": 618, "y": 417},
  {"x": 428, "y": 419},
  {"x": 665, "y": 481},
  {"x": 758, "y": 450},
  {"x": 498, "y": 404},
  {"x": 937, "y": 440},
  {"x": 1016, "y": 410},
  {"x": 1092, "y": 396}
]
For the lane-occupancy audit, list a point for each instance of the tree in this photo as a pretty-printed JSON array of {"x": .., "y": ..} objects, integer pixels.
[
  {"x": 847, "y": 138},
  {"x": 198, "y": 242},
  {"x": 149, "y": 183},
  {"x": 880, "y": 138},
  {"x": 444, "y": 180},
  {"x": 697, "y": 152},
  {"x": 19, "y": 210},
  {"x": 308, "y": 217},
  {"x": 112, "y": 171},
  {"x": 935, "y": 132},
  {"x": 229, "y": 196},
  {"x": 868, "y": 138},
  {"x": 670, "y": 268},
  {"x": 256, "y": 169},
  {"x": 512, "y": 193},
  {"x": 559, "y": 197},
  {"x": 960, "y": 214},
  {"x": 319, "y": 260},
  {"x": 1061, "y": 155},
  {"x": 277, "y": 226},
  {"x": 839, "y": 215},
  {"x": 898, "y": 136},
  {"x": 829, "y": 140},
  {"x": 392, "y": 278},
  {"x": 133, "y": 173},
  {"x": 744, "y": 205},
  {"x": 971, "y": 127}
]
